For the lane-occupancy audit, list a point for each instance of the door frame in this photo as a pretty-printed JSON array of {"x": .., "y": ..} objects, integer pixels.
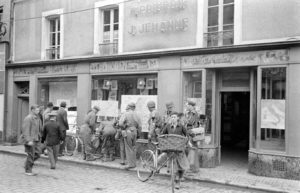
[{"x": 219, "y": 90}]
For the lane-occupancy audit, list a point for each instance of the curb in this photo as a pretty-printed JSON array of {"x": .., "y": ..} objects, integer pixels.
[{"x": 208, "y": 180}]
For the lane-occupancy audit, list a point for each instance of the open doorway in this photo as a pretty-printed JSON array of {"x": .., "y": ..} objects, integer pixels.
[{"x": 235, "y": 115}]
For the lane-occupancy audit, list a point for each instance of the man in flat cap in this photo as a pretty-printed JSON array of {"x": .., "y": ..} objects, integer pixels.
[
  {"x": 154, "y": 122},
  {"x": 62, "y": 120},
  {"x": 86, "y": 131},
  {"x": 182, "y": 164},
  {"x": 131, "y": 122},
  {"x": 46, "y": 113},
  {"x": 52, "y": 136}
]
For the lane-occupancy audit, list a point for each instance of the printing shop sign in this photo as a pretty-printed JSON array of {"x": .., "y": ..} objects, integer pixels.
[{"x": 159, "y": 24}]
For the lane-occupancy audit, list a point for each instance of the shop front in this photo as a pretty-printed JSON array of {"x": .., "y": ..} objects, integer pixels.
[{"x": 246, "y": 102}]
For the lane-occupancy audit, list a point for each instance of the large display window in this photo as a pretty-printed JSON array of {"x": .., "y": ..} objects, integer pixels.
[
  {"x": 197, "y": 87},
  {"x": 60, "y": 89},
  {"x": 272, "y": 111},
  {"x": 113, "y": 93}
]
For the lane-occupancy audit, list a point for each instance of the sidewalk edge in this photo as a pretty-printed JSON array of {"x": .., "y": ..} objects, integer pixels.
[{"x": 267, "y": 189}]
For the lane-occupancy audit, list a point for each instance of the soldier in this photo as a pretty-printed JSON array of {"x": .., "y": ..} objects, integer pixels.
[
  {"x": 30, "y": 137},
  {"x": 154, "y": 122},
  {"x": 132, "y": 124},
  {"x": 86, "y": 132},
  {"x": 108, "y": 140}
]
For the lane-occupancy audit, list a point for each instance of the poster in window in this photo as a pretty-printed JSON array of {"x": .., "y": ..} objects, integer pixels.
[
  {"x": 273, "y": 114},
  {"x": 149, "y": 83},
  {"x": 107, "y": 108},
  {"x": 106, "y": 85},
  {"x": 114, "y": 85},
  {"x": 112, "y": 95}
]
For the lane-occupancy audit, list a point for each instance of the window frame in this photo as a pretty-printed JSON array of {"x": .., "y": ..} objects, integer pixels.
[
  {"x": 45, "y": 39},
  {"x": 258, "y": 113}
]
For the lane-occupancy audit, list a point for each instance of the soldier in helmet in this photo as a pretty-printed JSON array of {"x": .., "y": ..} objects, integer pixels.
[{"x": 154, "y": 122}]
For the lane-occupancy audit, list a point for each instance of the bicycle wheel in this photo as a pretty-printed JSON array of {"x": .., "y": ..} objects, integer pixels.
[
  {"x": 71, "y": 144},
  {"x": 146, "y": 167},
  {"x": 172, "y": 175}
]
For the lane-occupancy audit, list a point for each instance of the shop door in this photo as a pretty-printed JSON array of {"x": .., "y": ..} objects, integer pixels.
[
  {"x": 23, "y": 111},
  {"x": 235, "y": 115}
]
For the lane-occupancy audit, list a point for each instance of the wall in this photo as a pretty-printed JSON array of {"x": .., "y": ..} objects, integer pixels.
[
  {"x": 149, "y": 25},
  {"x": 78, "y": 38},
  {"x": 270, "y": 19},
  {"x": 293, "y": 121}
]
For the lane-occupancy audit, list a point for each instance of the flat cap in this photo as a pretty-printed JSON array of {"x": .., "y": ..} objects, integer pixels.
[
  {"x": 169, "y": 104},
  {"x": 151, "y": 104},
  {"x": 190, "y": 102}
]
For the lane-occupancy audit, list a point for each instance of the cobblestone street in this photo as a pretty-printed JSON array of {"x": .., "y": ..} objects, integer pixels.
[{"x": 78, "y": 178}]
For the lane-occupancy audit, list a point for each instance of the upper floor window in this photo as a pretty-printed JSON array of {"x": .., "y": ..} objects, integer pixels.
[
  {"x": 110, "y": 31},
  {"x": 52, "y": 42},
  {"x": 53, "y": 51},
  {"x": 220, "y": 23}
]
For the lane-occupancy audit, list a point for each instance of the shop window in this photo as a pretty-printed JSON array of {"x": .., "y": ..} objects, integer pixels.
[
  {"x": 58, "y": 90},
  {"x": 220, "y": 23},
  {"x": 53, "y": 51},
  {"x": 109, "y": 92},
  {"x": 273, "y": 99},
  {"x": 110, "y": 31}
]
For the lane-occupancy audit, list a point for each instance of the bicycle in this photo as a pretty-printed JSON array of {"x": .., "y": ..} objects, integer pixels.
[
  {"x": 148, "y": 165},
  {"x": 73, "y": 142}
]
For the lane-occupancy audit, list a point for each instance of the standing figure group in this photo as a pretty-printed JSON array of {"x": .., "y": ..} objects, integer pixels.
[{"x": 43, "y": 130}]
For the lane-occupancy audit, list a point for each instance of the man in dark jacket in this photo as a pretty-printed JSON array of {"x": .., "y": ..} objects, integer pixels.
[
  {"x": 63, "y": 124},
  {"x": 30, "y": 137},
  {"x": 52, "y": 136}
]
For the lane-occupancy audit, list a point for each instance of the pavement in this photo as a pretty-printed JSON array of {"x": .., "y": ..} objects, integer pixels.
[{"x": 228, "y": 173}]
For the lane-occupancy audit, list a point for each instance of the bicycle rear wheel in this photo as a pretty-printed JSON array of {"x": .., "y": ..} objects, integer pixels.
[
  {"x": 71, "y": 145},
  {"x": 146, "y": 166},
  {"x": 172, "y": 175}
]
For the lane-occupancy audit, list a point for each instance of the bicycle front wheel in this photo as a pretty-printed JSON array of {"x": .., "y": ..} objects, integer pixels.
[{"x": 146, "y": 166}]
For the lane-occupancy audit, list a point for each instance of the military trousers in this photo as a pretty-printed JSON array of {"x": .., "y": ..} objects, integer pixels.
[{"x": 130, "y": 136}]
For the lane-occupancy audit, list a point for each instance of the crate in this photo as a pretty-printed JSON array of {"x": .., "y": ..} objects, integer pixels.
[{"x": 172, "y": 142}]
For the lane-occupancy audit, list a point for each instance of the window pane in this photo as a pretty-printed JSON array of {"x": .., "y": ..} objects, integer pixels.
[
  {"x": 106, "y": 28},
  {"x": 212, "y": 29},
  {"x": 213, "y": 16},
  {"x": 116, "y": 15},
  {"x": 273, "y": 101},
  {"x": 58, "y": 38},
  {"x": 52, "y": 39},
  {"x": 106, "y": 36},
  {"x": 228, "y": 14},
  {"x": 273, "y": 83},
  {"x": 213, "y": 2},
  {"x": 116, "y": 27},
  {"x": 106, "y": 16},
  {"x": 228, "y": 1},
  {"x": 52, "y": 25},
  {"x": 58, "y": 24}
]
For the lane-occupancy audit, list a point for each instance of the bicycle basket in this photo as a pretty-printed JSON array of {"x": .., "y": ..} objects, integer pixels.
[{"x": 172, "y": 142}]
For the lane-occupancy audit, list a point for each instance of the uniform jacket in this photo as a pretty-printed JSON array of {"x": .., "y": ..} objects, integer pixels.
[
  {"x": 61, "y": 119},
  {"x": 131, "y": 120},
  {"x": 52, "y": 134},
  {"x": 155, "y": 124},
  {"x": 90, "y": 120},
  {"x": 192, "y": 119},
  {"x": 31, "y": 129}
]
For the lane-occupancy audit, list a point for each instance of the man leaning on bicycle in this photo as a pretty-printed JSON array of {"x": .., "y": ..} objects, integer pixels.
[{"x": 174, "y": 126}]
